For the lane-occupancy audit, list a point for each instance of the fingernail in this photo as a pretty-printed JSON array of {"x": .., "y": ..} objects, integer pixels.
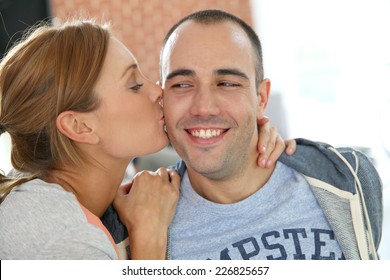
[
  {"x": 269, "y": 163},
  {"x": 263, "y": 163},
  {"x": 263, "y": 149}
]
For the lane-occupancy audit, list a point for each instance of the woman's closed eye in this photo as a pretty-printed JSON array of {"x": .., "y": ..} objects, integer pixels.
[{"x": 136, "y": 87}]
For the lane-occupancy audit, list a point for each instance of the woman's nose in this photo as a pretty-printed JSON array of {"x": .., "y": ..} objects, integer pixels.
[{"x": 155, "y": 93}]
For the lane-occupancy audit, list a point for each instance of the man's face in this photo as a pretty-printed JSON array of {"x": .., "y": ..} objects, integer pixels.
[{"x": 210, "y": 98}]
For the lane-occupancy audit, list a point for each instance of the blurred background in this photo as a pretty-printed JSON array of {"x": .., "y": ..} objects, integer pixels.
[{"x": 328, "y": 60}]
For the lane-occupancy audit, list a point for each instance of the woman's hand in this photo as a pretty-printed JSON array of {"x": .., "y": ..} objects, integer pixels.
[
  {"x": 147, "y": 206},
  {"x": 271, "y": 145}
]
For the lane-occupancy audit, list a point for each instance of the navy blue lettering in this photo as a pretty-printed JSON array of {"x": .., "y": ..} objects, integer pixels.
[
  {"x": 247, "y": 255},
  {"x": 268, "y": 246},
  {"x": 318, "y": 244},
  {"x": 294, "y": 233},
  {"x": 225, "y": 254}
]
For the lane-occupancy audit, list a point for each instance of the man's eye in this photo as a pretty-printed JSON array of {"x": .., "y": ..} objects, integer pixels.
[
  {"x": 228, "y": 84},
  {"x": 136, "y": 87},
  {"x": 181, "y": 85}
]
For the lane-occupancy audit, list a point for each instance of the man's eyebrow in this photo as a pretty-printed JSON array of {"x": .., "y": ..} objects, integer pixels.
[
  {"x": 230, "y": 71},
  {"x": 180, "y": 72},
  {"x": 128, "y": 68}
]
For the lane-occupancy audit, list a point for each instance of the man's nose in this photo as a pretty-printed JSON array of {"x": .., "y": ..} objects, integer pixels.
[{"x": 205, "y": 103}]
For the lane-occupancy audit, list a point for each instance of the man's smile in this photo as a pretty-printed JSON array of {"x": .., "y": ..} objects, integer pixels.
[{"x": 206, "y": 133}]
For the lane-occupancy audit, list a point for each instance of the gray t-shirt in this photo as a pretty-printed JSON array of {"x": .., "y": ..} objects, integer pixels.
[
  {"x": 280, "y": 221},
  {"x": 42, "y": 221}
]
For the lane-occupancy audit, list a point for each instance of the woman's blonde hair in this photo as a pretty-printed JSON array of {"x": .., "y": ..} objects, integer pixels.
[{"x": 54, "y": 69}]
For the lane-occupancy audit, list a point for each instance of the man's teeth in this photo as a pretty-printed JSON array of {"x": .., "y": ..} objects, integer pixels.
[{"x": 205, "y": 134}]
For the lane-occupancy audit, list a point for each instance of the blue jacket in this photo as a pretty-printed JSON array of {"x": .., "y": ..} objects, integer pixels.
[{"x": 346, "y": 185}]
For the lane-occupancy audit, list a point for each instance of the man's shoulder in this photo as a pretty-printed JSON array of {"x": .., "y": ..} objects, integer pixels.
[
  {"x": 345, "y": 169},
  {"x": 313, "y": 154},
  {"x": 336, "y": 166}
]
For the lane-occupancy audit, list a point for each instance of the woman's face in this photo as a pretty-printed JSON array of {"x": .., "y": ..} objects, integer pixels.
[{"x": 130, "y": 117}]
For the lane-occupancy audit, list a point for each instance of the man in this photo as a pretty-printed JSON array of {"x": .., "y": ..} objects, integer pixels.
[{"x": 321, "y": 203}]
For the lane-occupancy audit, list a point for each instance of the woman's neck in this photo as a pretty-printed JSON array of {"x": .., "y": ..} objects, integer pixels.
[{"x": 95, "y": 188}]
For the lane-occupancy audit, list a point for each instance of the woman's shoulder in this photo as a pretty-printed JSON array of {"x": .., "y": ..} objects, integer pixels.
[
  {"x": 36, "y": 203},
  {"x": 37, "y": 216},
  {"x": 38, "y": 196}
]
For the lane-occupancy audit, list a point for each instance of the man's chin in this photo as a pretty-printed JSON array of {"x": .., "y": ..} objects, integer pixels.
[{"x": 210, "y": 170}]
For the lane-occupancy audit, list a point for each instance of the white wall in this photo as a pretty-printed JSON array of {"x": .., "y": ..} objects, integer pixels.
[{"x": 330, "y": 62}]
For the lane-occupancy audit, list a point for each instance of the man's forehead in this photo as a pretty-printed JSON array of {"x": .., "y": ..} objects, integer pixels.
[
  {"x": 193, "y": 37},
  {"x": 198, "y": 42},
  {"x": 191, "y": 29}
]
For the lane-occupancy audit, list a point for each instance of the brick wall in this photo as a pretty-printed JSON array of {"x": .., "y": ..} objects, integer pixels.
[{"x": 142, "y": 24}]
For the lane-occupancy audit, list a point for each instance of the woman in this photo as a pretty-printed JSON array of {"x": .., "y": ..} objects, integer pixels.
[{"x": 78, "y": 110}]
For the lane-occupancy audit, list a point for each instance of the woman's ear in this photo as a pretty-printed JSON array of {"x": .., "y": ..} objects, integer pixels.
[
  {"x": 75, "y": 125},
  {"x": 263, "y": 91}
]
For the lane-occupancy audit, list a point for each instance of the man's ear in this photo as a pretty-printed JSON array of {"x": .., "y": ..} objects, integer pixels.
[
  {"x": 263, "y": 91},
  {"x": 75, "y": 126}
]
